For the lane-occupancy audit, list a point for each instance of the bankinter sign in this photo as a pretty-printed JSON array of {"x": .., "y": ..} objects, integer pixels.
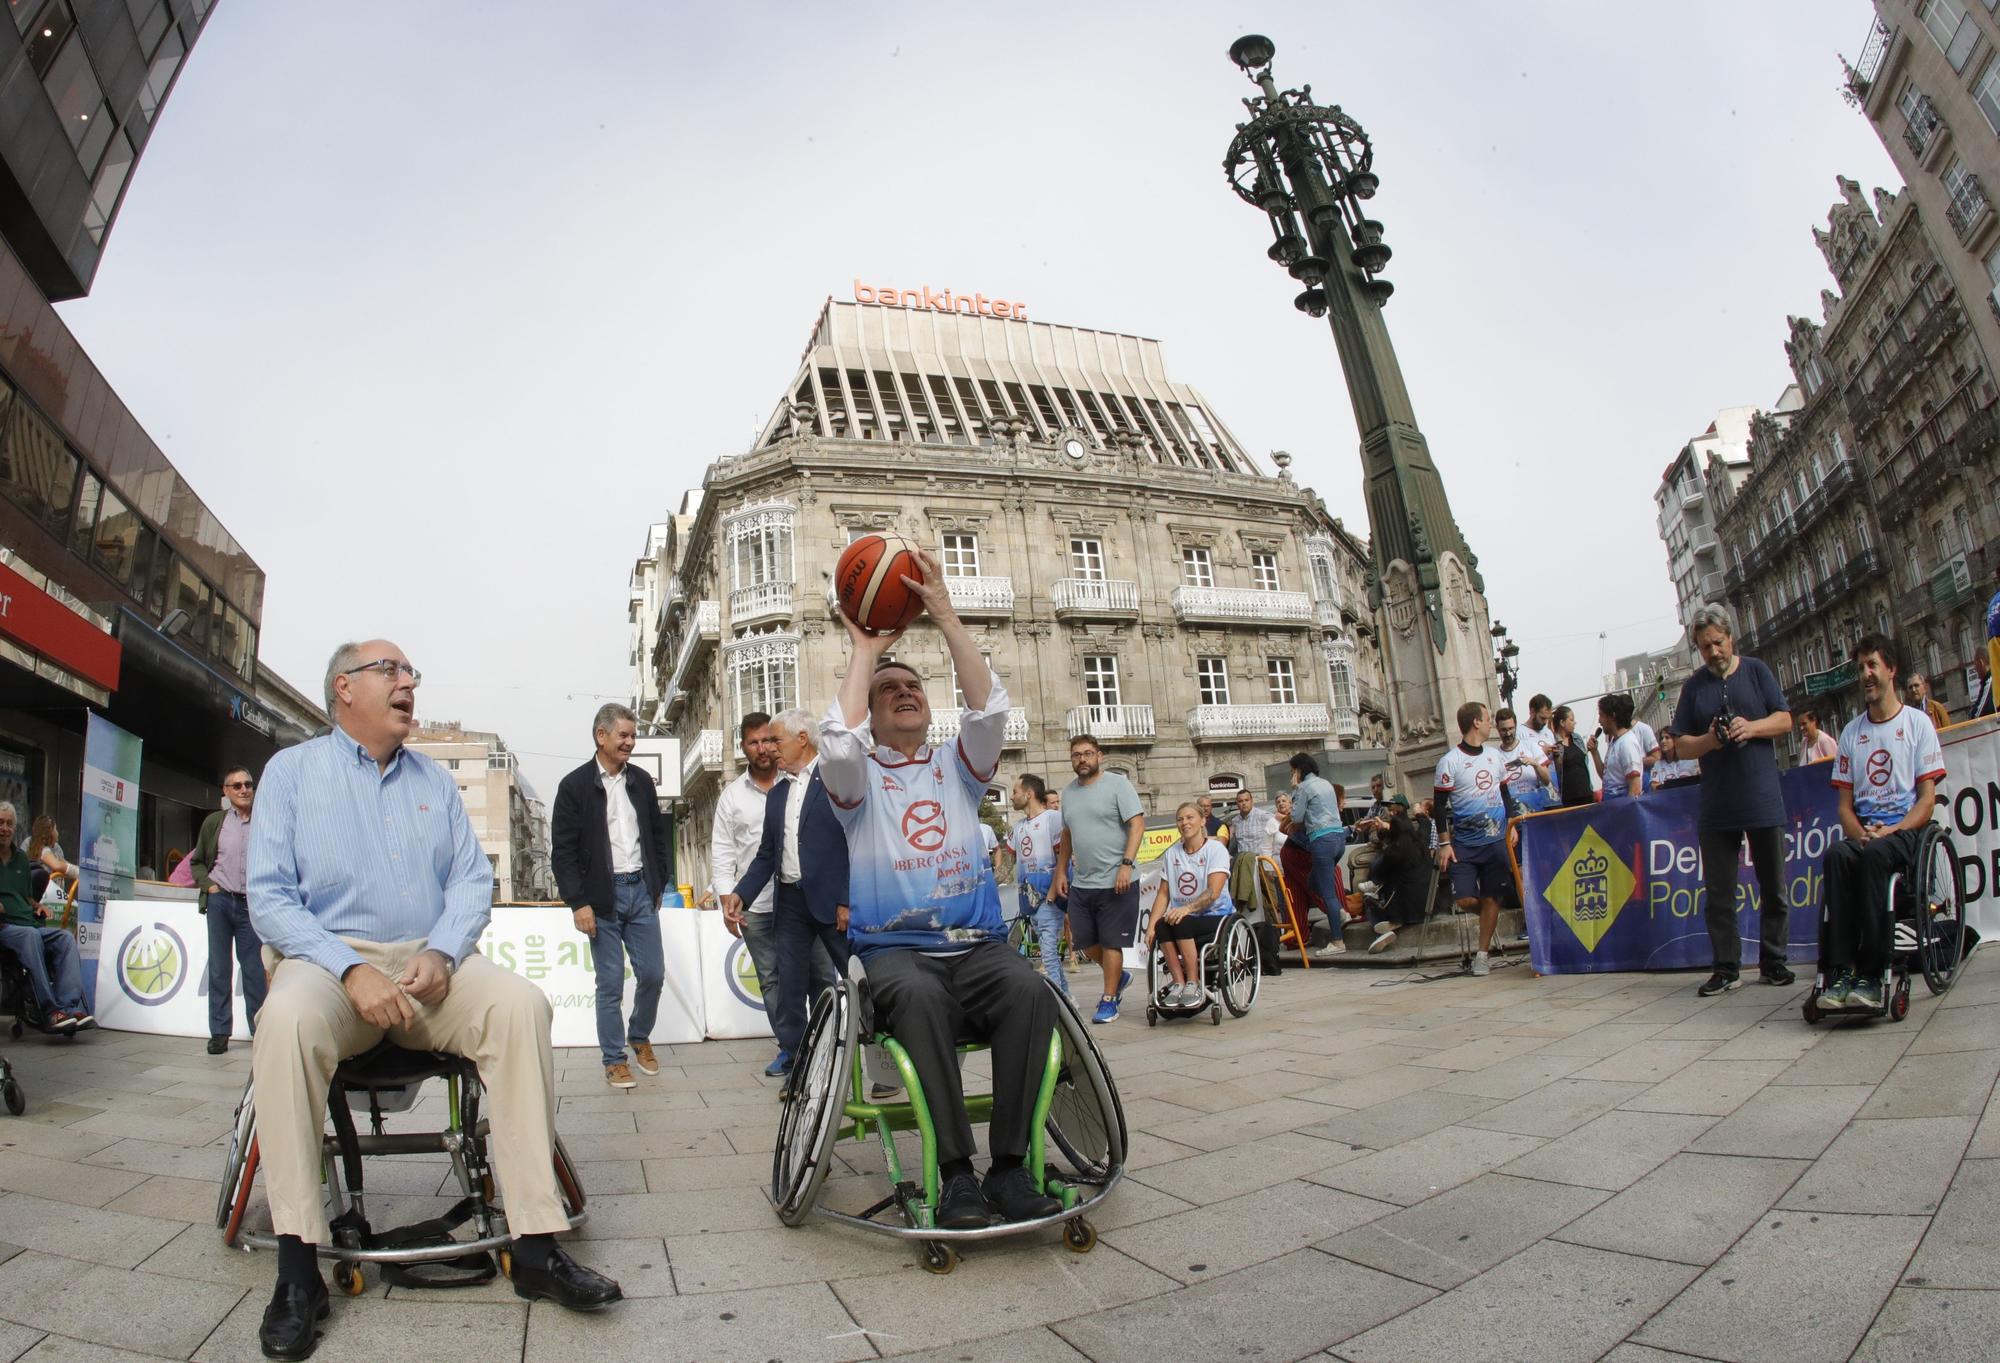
[{"x": 977, "y": 304}]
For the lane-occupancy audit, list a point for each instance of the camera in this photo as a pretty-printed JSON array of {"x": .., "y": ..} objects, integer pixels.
[{"x": 1724, "y": 717}]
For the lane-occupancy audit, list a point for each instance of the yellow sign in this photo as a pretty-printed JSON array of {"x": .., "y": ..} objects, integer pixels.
[{"x": 1590, "y": 889}]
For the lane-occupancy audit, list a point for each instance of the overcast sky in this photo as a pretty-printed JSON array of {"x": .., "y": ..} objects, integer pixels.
[{"x": 440, "y": 307}]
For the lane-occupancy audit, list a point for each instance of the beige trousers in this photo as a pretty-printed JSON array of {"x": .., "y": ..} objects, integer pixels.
[{"x": 491, "y": 1016}]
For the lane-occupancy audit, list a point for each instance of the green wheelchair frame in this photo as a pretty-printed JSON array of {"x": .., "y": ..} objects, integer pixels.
[{"x": 1076, "y": 1107}]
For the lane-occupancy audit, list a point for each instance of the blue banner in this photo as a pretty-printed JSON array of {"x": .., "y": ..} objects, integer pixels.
[
  {"x": 1618, "y": 885},
  {"x": 109, "y": 837}
]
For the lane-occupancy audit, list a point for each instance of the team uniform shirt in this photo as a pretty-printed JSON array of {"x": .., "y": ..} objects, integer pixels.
[
  {"x": 1475, "y": 781},
  {"x": 1523, "y": 782},
  {"x": 1187, "y": 876},
  {"x": 917, "y": 875},
  {"x": 1034, "y": 843},
  {"x": 1648, "y": 741},
  {"x": 1625, "y": 756},
  {"x": 1542, "y": 742},
  {"x": 1883, "y": 763}
]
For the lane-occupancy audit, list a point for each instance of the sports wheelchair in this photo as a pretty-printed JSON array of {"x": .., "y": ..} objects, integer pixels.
[
  {"x": 422, "y": 1254},
  {"x": 1927, "y": 912},
  {"x": 1229, "y": 970},
  {"x": 1077, "y": 1110}
]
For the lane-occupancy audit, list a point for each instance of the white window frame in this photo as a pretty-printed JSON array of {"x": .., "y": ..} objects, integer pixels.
[
  {"x": 1264, "y": 571},
  {"x": 1986, "y": 94},
  {"x": 1101, "y": 690},
  {"x": 1211, "y": 674},
  {"x": 1197, "y": 566},
  {"x": 1961, "y": 34},
  {"x": 1282, "y": 680},
  {"x": 958, "y": 554},
  {"x": 1086, "y": 558},
  {"x": 957, "y": 691}
]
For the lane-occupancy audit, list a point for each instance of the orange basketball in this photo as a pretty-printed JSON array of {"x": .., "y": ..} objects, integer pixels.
[{"x": 868, "y": 583}]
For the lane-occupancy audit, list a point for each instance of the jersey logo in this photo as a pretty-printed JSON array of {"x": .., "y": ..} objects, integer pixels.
[
  {"x": 1188, "y": 884},
  {"x": 923, "y": 825},
  {"x": 1482, "y": 779},
  {"x": 1879, "y": 764},
  {"x": 889, "y": 784}
]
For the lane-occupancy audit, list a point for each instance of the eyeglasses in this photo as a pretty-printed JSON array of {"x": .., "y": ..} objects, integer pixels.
[
  {"x": 389, "y": 668},
  {"x": 239, "y": 785}
]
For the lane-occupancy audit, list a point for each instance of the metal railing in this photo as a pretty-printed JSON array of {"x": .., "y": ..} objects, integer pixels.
[
  {"x": 1327, "y": 614},
  {"x": 1208, "y": 723},
  {"x": 1838, "y": 479},
  {"x": 703, "y": 626},
  {"x": 1968, "y": 206},
  {"x": 1111, "y": 723},
  {"x": 747, "y": 604},
  {"x": 1874, "y": 48},
  {"x": 1106, "y": 596},
  {"x": 1924, "y": 124},
  {"x": 981, "y": 595},
  {"x": 1373, "y": 698},
  {"x": 1346, "y": 723},
  {"x": 1242, "y": 604},
  {"x": 703, "y": 755},
  {"x": 945, "y": 725}
]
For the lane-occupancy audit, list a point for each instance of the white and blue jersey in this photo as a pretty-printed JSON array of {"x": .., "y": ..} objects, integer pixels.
[
  {"x": 1476, "y": 783},
  {"x": 1034, "y": 842},
  {"x": 1187, "y": 876},
  {"x": 1884, "y": 763},
  {"x": 918, "y": 874}
]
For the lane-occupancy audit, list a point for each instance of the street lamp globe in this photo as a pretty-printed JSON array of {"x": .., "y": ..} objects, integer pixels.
[{"x": 1252, "y": 52}]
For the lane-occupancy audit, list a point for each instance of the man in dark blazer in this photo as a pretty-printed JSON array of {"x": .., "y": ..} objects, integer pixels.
[
  {"x": 805, "y": 850},
  {"x": 608, "y": 847}
]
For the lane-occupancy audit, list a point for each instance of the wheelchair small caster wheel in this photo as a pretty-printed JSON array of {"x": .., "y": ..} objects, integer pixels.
[
  {"x": 17, "y": 1029},
  {"x": 16, "y": 1099},
  {"x": 1812, "y": 1013},
  {"x": 1899, "y": 1002},
  {"x": 1215, "y": 1015},
  {"x": 939, "y": 1257},
  {"x": 1079, "y": 1236},
  {"x": 1152, "y": 1016},
  {"x": 506, "y": 1258},
  {"x": 347, "y": 1280}
]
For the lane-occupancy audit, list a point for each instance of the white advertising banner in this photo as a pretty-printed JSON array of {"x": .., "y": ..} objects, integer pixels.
[
  {"x": 543, "y": 946},
  {"x": 1972, "y": 803},
  {"x": 152, "y": 975},
  {"x": 729, "y": 985}
]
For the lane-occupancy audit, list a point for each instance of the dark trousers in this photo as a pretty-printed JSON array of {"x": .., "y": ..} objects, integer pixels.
[
  {"x": 1720, "y": 849},
  {"x": 1856, "y": 932},
  {"x": 229, "y": 930},
  {"x": 928, "y": 1002},
  {"x": 800, "y": 974}
]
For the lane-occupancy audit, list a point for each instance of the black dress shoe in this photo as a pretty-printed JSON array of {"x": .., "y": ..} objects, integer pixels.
[
  {"x": 218, "y": 1045},
  {"x": 567, "y": 1283},
  {"x": 287, "y": 1331},
  {"x": 1013, "y": 1194},
  {"x": 961, "y": 1206}
]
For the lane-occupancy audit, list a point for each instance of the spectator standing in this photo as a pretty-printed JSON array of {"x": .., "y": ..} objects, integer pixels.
[
  {"x": 1815, "y": 743},
  {"x": 220, "y": 864},
  {"x": 1254, "y": 830},
  {"x": 1295, "y": 864},
  {"x": 1539, "y": 732},
  {"x": 1649, "y": 749},
  {"x": 1917, "y": 689},
  {"x": 1032, "y": 843},
  {"x": 1622, "y": 768},
  {"x": 733, "y": 840},
  {"x": 1731, "y": 712},
  {"x": 608, "y": 848},
  {"x": 1316, "y": 820},
  {"x": 48, "y": 954},
  {"x": 1253, "y": 833},
  {"x": 1572, "y": 764},
  {"x": 1211, "y": 822},
  {"x": 1102, "y": 826},
  {"x": 1527, "y": 765},
  {"x": 1982, "y": 695},
  {"x": 1471, "y": 803}
]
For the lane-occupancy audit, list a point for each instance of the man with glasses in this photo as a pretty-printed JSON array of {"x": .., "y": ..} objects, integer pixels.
[
  {"x": 367, "y": 880},
  {"x": 220, "y": 864},
  {"x": 1917, "y": 690}
]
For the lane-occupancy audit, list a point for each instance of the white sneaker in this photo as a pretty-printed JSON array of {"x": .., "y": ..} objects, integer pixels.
[
  {"x": 1385, "y": 940},
  {"x": 1383, "y": 926},
  {"x": 1334, "y": 948},
  {"x": 1193, "y": 995},
  {"x": 1479, "y": 963}
]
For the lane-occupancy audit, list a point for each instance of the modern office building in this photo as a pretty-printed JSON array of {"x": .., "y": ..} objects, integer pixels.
[
  {"x": 506, "y": 814},
  {"x": 1128, "y": 567},
  {"x": 120, "y": 591}
]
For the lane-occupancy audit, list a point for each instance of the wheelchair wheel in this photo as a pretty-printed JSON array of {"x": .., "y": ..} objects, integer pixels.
[
  {"x": 939, "y": 1257},
  {"x": 347, "y": 1279},
  {"x": 15, "y": 1097},
  {"x": 810, "y": 1119},
  {"x": 1940, "y": 912},
  {"x": 1086, "y": 1121},
  {"x": 567, "y": 1181},
  {"x": 239, "y": 1167},
  {"x": 1021, "y": 937},
  {"x": 1157, "y": 975},
  {"x": 1237, "y": 965}
]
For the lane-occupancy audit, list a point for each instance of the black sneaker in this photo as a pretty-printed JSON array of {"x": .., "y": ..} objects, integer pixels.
[
  {"x": 961, "y": 1206},
  {"x": 1012, "y": 1193},
  {"x": 1719, "y": 983},
  {"x": 1776, "y": 974}
]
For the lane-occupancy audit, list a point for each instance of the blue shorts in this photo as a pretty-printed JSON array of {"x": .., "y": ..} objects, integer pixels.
[{"x": 1479, "y": 872}]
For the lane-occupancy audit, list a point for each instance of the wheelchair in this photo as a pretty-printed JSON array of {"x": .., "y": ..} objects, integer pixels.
[
  {"x": 1229, "y": 970},
  {"x": 17, "y": 999},
  {"x": 1927, "y": 925},
  {"x": 1077, "y": 1112},
  {"x": 425, "y": 1253}
]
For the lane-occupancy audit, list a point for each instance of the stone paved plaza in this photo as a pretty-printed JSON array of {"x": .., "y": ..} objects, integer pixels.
[{"x": 1557, "y": 1170}]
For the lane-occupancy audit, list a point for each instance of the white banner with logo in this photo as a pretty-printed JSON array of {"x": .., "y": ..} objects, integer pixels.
[
  {"x": 730, "y": 988},
  {"x": 1971, "y": 801},
  {"x": 152, "y": 975},
  {"x": 543, "y": 946}
]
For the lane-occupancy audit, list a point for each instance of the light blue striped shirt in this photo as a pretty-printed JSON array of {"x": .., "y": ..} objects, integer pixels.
[{"x": 340, "y": 848}]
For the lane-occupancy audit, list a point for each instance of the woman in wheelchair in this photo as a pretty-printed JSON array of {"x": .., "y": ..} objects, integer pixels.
[
  {"x": 1886, "y": 777},
  {"x": 1192, "y": 902}
]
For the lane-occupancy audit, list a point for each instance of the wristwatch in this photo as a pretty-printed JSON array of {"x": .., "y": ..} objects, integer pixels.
[{"x": 1125, "y": 861}]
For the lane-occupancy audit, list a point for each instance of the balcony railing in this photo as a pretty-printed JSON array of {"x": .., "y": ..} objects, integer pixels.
[
  {"x": 703, "y": 627},
  {"x": 1211, "y": 723},
  {"x": 1701, "y": 539},
  {"x": 1326, "y": 614},
  {"x": 1346, "y": 723},
  {"x": 945, "y": 724},
  {"x": 1838, "y": 479},
  {"x": 1373, "y": 698},
  {"x": 703, "y": 756},
  {"x": 1790, "y": 615},
  {"x": 1093, "y": 596},
  {"x": 1112, "y": 723},
  {"x": 766, "y": 600},
  {"x": 1242, "y": 605},
  {"x": 981, "y": 595},
  {"x": 1874, "y": 48},
  {"x": 1924, "y": 124},
  {"x": 1712, "y": 585},
  {"x": 1913, "y": 473},
  {"x": 1861, "y": 568},
  {"x": 1968, "y": 207}
]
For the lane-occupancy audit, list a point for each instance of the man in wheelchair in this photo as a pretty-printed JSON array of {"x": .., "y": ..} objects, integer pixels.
[
  {"x": 1886, "y": 777},
  {"x": 47, "y": 953},
  {"x": 924, "y": 913},
  {"x": 367, "y": 880}
]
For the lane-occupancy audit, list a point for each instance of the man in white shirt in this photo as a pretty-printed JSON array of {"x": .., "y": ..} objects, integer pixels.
[
  {"x": 1539, "y": 734},
  {"x": 732, "y": 844},
  {"x": 1527, "y": 767},
  {"x": 1649, "y": 747}
]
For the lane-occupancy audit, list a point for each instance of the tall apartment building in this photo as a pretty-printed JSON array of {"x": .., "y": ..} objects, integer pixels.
[
  {"x": 1871, "y": 506},
  {"x": 509, "y": 819},
  {"x": 1124, "y": 563},
  {"x": 1686, "y": 516}
]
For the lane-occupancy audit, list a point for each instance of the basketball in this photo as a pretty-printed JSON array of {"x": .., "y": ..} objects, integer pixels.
[{"x": 868, "y": 583}]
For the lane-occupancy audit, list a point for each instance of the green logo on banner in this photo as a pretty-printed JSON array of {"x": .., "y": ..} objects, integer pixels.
[{"x": 152, "y": 964}]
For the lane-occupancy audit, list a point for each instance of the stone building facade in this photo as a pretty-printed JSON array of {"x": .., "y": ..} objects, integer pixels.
[
  {"x": 509, "y": 820},
  {"x": 1686, "y": 513},
  {"x": 1128, "y": 568}
]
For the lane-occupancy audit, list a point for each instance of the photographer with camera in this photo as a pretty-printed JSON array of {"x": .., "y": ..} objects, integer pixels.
[{"x": 1731, "y": 711}]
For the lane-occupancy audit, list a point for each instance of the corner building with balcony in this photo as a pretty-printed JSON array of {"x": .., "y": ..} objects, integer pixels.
[
  {"x": 1124, "y": 563},
  {"x": 1687, "y": 514}
]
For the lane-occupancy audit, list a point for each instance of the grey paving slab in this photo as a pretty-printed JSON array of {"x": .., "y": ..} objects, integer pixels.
[
  {"x": 1377, "y": 1086},
  {"x": 174, "y": 1199},
  {"x": 1796, "y": 1123},
  {"x": 1855, "y": 1056},
  {"x": 735, "y": 1261},
  {"x": 1215, "y": 1130},
  {"x": 56, "y": 1349},
  {"x": 1462, "y": 1233},
  {"x": 1559, "y": 1108},
  {"x": 1429, "y": 1164},
  {"x": 1553, "y": 1303},
  {"x": 1962, "y": 1247},
  {"x": 16, "y": 1340},
  {"x": 1606, "y": 1038},
  {"x": 717, "y": 1171},
  {"x": 95, "y": 1304},
  {"x": 1973, "y": 1028},
  {"x": 1400, "y": 1119},
  {"x": 1786, "y": 1038},
  {"x": 629, "y": 1215},
  {"x": 1713, "y": 1088},
  {"x": 1482, "y": 1053},
  {"x": 1613, "y": 1151},
  {"x": 61, "y": 1181},
  {"x": 1225, "y": 1236},
  {"x": 1648, "y": 1062},
  {"x": 118, "y": 1239},
  {"x": 155, "y": 1157},
  {"x": 1795, "y": 1286},
  {"x": 1039, "y": 1345},
  {"x": 1921, "y": 1326},
  {"x": 369, "y": 1329},
  {"x": 1890, "y": 1166},
  {"x": 1219, "y": 1174},
  {"x": 1691, "y": 1209},
  {"x": 800, "y": 1324},
  {"x": 1237, "y": 1315},
  {"x": 1513, "y": 1078},
  {"x": 1948, "y": 1084},
  {"x": 1645, "y": 1353}
]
